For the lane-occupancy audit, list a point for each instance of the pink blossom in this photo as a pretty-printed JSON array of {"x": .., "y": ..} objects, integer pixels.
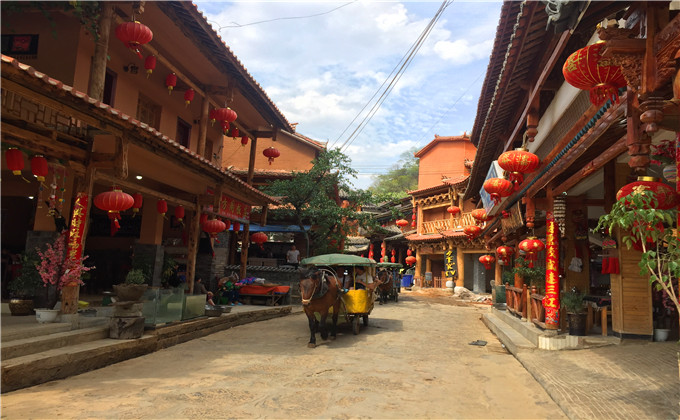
[{"x": 56, "y": 269}]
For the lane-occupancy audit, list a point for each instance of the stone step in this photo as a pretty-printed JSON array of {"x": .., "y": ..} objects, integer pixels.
[
  {"x": 527, "y": 329},
  {"x": 510, "y": 337},
  {"x": 36, "y": 344}
]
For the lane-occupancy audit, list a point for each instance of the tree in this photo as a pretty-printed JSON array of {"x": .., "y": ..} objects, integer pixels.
[
  {"x": 402, "y": 177},
  {"x": 313, "y": 197}
]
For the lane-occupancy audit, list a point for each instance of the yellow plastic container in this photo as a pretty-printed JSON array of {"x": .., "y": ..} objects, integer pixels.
[{"x": 358, "y": 301}]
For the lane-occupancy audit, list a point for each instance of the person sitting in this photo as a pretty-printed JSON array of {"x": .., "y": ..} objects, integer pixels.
[
  {"x": 199, "y": 289},
  {"x": 228, "y": 290},
  {"x": 363, "y": 279}
]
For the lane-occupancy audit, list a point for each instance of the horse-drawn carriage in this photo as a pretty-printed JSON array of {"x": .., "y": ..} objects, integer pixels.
[
  {"x": 330, "y": 286},
  {"x": 389, "y": 281}
]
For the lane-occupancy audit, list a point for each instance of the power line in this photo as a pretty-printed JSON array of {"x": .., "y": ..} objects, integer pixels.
[
  {"x": 237, "y": 25},
  {"x": 403, "y": 65}
]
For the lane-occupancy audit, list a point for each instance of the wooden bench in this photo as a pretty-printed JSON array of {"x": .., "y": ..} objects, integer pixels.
[{"x": 269, "y": 295}]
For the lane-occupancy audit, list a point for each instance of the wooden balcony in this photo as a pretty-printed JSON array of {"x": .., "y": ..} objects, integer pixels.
[{"x": 457, "y": 224}]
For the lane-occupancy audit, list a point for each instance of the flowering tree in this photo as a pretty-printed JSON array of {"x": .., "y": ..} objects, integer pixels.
[{"x": 56, "y": 269}]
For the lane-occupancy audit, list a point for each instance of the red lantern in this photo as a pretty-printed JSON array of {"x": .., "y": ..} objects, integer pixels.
[
  {"x": 370, "y": 254},
  {"x": 498, "y": 188},
  {"x": 480, "y": 216},
  {"x": 665, "y": 197},
  {"x": 454, "y": 210},
  {"x": 518, "y": 162},
  {"x": 505, "y": 214},
  {"x": 402, "y": 223},
  {"x": 162, "y": 207},
  {"x": 244, "y": 141},
  {"x": 410, "y": 260},
  {"x": 213, "y": 227},
  {"x": 188, "y": 96},
  {"x": 39, "y": 167},
  {"x": 472, "y": 231},
  {"x": 15, "y": 160},
  {"x": 409, "y": 252},
  {"x": 504, "y": 253},
  {"x": 531, "y": 246},
  {"x": 392, "y": 259},
  {"x": 137, "y": 201},
  {"x": 259, "y": 238},
  {"x": 225, "y": 126},
  {"x": 114, "y": 202},
  {"x": 487, "y": 260},
  {"x": 225, "y": 114},
  {"x": 171, "y": 82},
  {"x": 134, "y": 34},
  {"x": 586, "y": 69},
  {"x": 179, "y": 214},
  {"x": 394, "y": 252},
  {"x": 150, "y": 64},
  {"x": 236, "y": 226},
  {"x": 227, "y": 223},
  {"x": 271, "y": 154},
  {"x": 234, "y": 132}
]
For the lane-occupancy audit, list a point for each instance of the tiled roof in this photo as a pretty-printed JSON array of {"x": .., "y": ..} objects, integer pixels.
[
  {"x": 319, "y": 145},
  {"x": 55, "y": 86},
  {"x": 435, "y": 236},
  {"x": 455, "y": 181},
  {"x": 270, "y": 173},
  {"x": 439, "y": 139}
]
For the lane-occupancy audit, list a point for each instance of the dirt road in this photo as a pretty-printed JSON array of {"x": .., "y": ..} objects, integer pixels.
[{"x": 412, "y": 361}]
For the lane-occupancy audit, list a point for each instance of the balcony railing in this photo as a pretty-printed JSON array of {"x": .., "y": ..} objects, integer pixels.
[{"x": 457, "y": 224}]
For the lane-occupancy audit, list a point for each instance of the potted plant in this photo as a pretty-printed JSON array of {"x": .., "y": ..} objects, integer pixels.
[
  {"x": 133, "y": 288},
  {"x": 57, "y": 271},
  {"x": 23, "y": 287},
  {"x": 534, "y": 276},
  {"x": 573, "y": 302}
]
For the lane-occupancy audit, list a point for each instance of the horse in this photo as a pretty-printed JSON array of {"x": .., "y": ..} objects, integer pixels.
[
  {"x": 384, "y": 285},
  {"x": 320, "y": 291}
]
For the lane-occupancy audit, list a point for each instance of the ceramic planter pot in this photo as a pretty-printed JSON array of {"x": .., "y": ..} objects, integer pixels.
[
  {"x": 577, "y": 323},
  {"x": 21, "y": 307},
  {"x": 44, "y": 316}
]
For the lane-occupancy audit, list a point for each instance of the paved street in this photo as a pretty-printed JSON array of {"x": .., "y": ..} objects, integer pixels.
[{"x": 412, "y": 361}]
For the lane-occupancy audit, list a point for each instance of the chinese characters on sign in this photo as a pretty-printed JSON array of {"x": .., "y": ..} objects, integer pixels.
[
  {"x": 450, "y": 264},
  {"x": 551, "y": 301},
  {"x": 78, "y": 220},
  {"x": 234, "y": 209}
]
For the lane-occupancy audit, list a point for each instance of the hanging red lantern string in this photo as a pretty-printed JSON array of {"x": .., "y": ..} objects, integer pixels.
[
  {"x": 162, "y": 207},
  {"x": 517, "y": 163},
  {"x": 170, "y": 82},
  {"x": 487, "y": 260},
  {"x": 39, "y": 167},
  {"x": 453, "y": 210},
  {"x": 179, "y": 215},
  {"x": 586, "y": 69},
  {"x": 188, "y": 97},
  {"x": 138, "y": 200},
  {"x": 133, "y": 35},
  {"x": 413, "y": 219},
  {"x": 114, "y": 202},
  {"x": 150, "y": 65},
  {"x": 498, "y": 188},
  {"x": 259, "y": 238},
  {"x": 236, "y": 227},
  {"x": 234, "y": 132},
  {"x": 409, "y": 252},
  {"x": 665, "y": 197},
  {"x": 472, "y": 231},
  {"x": 244, "y": 141},
  {"x": 505, "y": 253},
  {"x": 224, "y": 125},
  {"x": 410, "y": 260},
  {"x": 271, "y": 154},
  {"x": 531, "y": 246}
]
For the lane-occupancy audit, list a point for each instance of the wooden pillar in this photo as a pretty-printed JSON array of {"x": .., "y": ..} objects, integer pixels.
[
  {"x": 101, "y": 50},
  {"x": 203, "y": 126},
  {"x": 460, "y": 281},
  {"x": 251, "y": 162},
  {"x": 498, "y": 274},
  {"x": 151, "y": 232},
  {"x": 192, "y": 246},
  {"x": 419, "y": 262},
  {"x": 245, "y": 243}
]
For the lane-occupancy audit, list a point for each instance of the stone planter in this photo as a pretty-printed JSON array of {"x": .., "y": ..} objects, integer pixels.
[
  {"x": 21, "y": 307},
  {"x": 129, "y": 292},
  {"x": 661, "y": 334},
  {"x": 577, "y": 323}
]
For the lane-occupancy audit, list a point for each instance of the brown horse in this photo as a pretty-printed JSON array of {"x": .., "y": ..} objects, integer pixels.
[
  {"x": 384, "y": 285},
  {"x": 319, "y": 290}
]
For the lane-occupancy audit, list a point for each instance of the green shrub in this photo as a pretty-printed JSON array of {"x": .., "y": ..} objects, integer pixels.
[
  {"x": 135, "y": 276},
  {"x": 573, "y": 302}
]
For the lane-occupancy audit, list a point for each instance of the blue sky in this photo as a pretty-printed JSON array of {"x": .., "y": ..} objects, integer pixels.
[{"x": 321, "y": 70}]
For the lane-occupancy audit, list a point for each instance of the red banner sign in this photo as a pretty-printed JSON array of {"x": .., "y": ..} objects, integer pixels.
[
  {"x": 78, "y": 220},
  {"x": 231, "y": 208},
  {"x": 551, "y": 301}
]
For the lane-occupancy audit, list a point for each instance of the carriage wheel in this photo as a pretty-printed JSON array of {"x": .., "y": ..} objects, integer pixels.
[
  {"x": 365, "y": 317},
  {"x": 355, "y": 324}
]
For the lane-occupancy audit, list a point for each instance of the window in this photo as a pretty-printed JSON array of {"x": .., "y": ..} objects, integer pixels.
[
  {"x": 183, "y": 132},
  {"x": 20, "y": 46},
  {"x": 148, "y": 111},
  {"x": 109, "y": 87}
]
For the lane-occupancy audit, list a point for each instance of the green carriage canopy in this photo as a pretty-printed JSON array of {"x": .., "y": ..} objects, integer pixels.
[{"x": 338, "y": 259}]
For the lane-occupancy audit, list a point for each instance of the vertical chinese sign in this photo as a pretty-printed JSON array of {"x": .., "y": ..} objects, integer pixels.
[
  {"x": 450, "y": 264},
  {"x": 551, "y": 301},
  {"x": 75, "y": 234}
]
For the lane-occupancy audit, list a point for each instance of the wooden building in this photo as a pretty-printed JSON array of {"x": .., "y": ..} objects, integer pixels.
[
  {"x": 89, "y": 105},
  {"x": 588, "y": 147}
]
